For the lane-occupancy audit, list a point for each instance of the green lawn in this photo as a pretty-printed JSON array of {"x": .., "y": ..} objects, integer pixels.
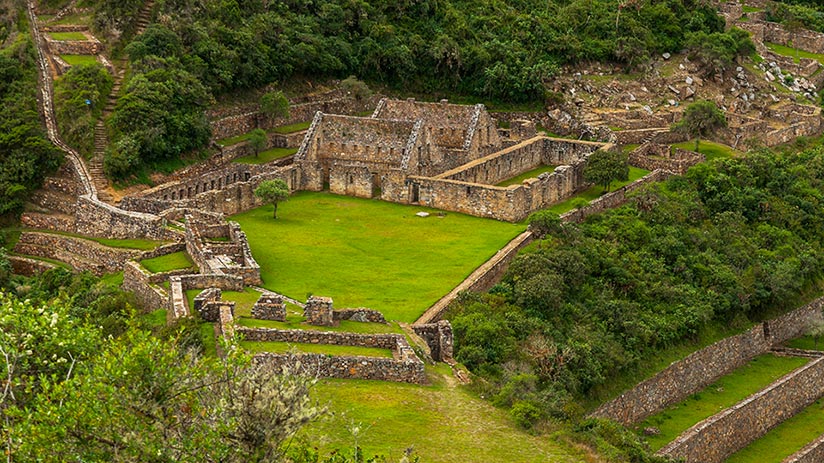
[
  {"x": 68, "y": 36},
  {"x": 596, "y": 191},
  {"x": 113, "y": 279},
  {"x": 173, "y": 261},
  {"x": 234, "y": 140},
  {"x": 724, "y": 393},
  {"x": 751, "y": 9},
  {"x": 709, "y": 149},
  {"x": 794, "y": 53},
  {"x": 292, "y": 128},
  {"x": 530, "y": 174},
  {"x": 807, "y": 342},
  {"x": 786, "y": 438},
  {"x": 77, "y": 60},
  {"x": 207, "y": 336},
  {"x": 368, "y": 253},
  {"x": 445, "y": 423},
  {"x": 328, "y": 349},
  {"x": 266, "y": 156}
]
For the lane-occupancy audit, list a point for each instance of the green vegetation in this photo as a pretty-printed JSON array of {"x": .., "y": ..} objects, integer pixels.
[
  {"x": 730, "y": 389},
  {"x": 294, "y": 321},
  {"x": 590, "y": 301},
  {"x": 474, "y": 430},
  {"x": 292, "y": 128},
  {"x": 711, "y": 150},
  {"x": 173, "y": 261},
  {"x": 328, "y": 349},
  {"x": 79, "y": 98},
  {"x": 806, "y": 342},
  {"x": 68, "y": 36},
  {"x": 786, "y": 438},
  {"x": 700, "y": 119},
  {"x": 605, "y": 167},
  {"x": 267, "y": 156},
  {"x": 26, "y": 155},
  {"x": 80, "y": 60},
  {"x": 794, "y": 53},
  {"x": 273, "y": 192},
  {"x": 369, "y": 253},
  {"x": 751, "y": 9},
  {"x": 594, "y": 192},
  {"x": 530, "y": 174},
  {"x": 234, "y": 140},
  {"x": 717, "y": 52}
]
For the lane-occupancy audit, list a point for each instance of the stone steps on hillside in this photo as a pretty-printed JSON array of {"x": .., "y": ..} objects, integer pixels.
[
  {"x": 144, "y": 17},
  {"x": 96, "y": 170}
]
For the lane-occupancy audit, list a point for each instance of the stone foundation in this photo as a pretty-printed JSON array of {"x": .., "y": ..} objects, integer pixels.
[
  {"x": 318, "y": 311},
  {"x": 652, "y": 156},
  {"x": 269, "y": 307}
]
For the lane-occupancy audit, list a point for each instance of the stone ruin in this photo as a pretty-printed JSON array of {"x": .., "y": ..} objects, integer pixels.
[
  {"x": 221, "y": 248},
  {"x": 208, "y": 304},
  {"x": 269, "y": 307},
  {"x": 319, "y": 311}
]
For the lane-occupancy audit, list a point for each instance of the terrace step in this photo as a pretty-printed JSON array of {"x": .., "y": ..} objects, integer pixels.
[{"x": 52, "y": 221}]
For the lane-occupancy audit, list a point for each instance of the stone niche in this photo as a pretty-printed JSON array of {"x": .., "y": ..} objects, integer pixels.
[
  {"x": 270, "y": 307},
  {"x": 318, "y": 311}
]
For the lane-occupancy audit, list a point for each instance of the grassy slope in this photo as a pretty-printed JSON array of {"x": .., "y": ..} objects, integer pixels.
[
  {"x": 725, "y": 392},
  {"x": 368, "y": 253},
  {"x": 444, "y": 423},
  {"x": 711, "y": 150},
  {"x": 77, "y": 60},
  {"x": 328, "y": 349},
  {"x": 265, "y": 156},
  {"x": 793, "y": 53},
  {"x": 68, "y": 36}
]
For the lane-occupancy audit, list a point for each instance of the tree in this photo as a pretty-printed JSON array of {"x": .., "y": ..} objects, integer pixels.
[
  {"x": 274, "y": 105},
  {"x": 273, "y": 191},
  {"x": 701, "y": 119},
  {"x": 258, "y": 140},
  {"x": 604, "y": 167},
  {"x": 357, "y": 88}
]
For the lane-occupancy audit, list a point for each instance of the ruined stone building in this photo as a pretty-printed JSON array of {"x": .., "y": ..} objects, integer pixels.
[{"x": 354, "y": 155}]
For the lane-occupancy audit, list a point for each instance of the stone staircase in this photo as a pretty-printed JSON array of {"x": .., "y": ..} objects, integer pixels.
[
  {"x": 96, "y": 163},
  {"x": 144, "y": 17}
]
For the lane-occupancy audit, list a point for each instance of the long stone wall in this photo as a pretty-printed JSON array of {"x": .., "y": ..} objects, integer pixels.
[
  {"x": 652, "y": 156},
  {"x": 79, "y": 253},
  {"x": 703, "y": 367},
  {"x": 718, "y": 437},
  {"x": 138, "y": 280},
  {"x": 29, "y": 267},
  {"x": 613, "y": 199},
  {"x": 95, "y": 218}
]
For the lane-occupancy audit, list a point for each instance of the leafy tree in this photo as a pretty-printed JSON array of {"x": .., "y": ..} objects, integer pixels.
[
  {"x": 258, "y": 140},
  {"x": 604, "y": 167},
  {"x": 274, "y": 105},
  {"x": 357, "y": 88},
  {"x": 79, "y": 98},
  {"x": 701, "y": 119},
  {"x": 273, "y": 191},
  {"x": 718, "y": 51}
]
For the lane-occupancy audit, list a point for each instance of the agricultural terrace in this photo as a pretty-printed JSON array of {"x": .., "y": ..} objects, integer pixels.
[{"x": 369, "y": 253}]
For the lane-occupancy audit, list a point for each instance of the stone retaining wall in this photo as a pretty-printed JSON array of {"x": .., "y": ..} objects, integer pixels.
[
  {"x": 652, "y": 156},
  {"x": 380, "y": 341},
  {"x": 79, "y": 253},
  {"x": 721, "y": 435},
  {"x": 613, "y": 199},
  {"x": 138, "y": 280},
  {"x": 703, "y": 367},
  {"x": 95, "y": 218},
  {"x": 375, "y": 368},
  {"x": 438, "y": 336},
  {"x": 74, "y": 47},
  {"x": 360, "y": 314},
  {"x": 29, "y": 267}
]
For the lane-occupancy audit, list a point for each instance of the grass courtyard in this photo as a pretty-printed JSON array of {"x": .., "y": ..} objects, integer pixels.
[
  {"x": 368, "y": 253},
  {"x": 710, "y": 149}
]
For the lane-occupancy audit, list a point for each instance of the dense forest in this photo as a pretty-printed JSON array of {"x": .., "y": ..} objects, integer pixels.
[{"x": 725, "y": 244}]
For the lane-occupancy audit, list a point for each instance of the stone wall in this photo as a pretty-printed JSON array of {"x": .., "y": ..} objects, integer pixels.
[
  {"x": 203, "y": 281},
  {"x": 438, "y": 336},
  {"x": 520, "y": 158},
  {"x": 352, "y": 180},
  {"x": 230, "y": 258},
  {"x": 718, "y": 437},
  {"x": 95, "y": 218},
  {"x": 318, "y": 311},
  {"x": 652, "y": 156},
  {"x": 79, "y": 253},
  {"x": 703, "y": 367},
  {"x": 29, "y": 267},
  {"x": 360, "y": 314},
  {"x": 47, "y": 222},
  {"x": 269, "y": 307},
  {"x": 404, "y": 367},
  {"x": 209, "y": 305},
  {"x": 613, "y": 199},
  {"x": 138, "y": 280},
  {"x": 73, "y": 47}
]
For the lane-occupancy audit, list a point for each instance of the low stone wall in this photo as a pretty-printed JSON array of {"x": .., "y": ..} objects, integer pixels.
[
  {"x": 360, "y": 314},
  {"x": 613, "y": 199},
  {"x": 637, "y": 136},
  {"x": 652, "y": 156},
  {"x": 95, "y": 218},
  {"x": 811, "y": 453},
  {"x": 404, "y": 367},
  {"x": 703, "y": 367},
  {"x": 29, "y": 267},
  {"x": 438, "y": 336},
  {"x": 74, "y": 47},
  {"x": 203, "y": 281},
  {"x": 721, "y": 435},
  {"x": 47, "y": 222},
  {"x": 138, "y": 280}
]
